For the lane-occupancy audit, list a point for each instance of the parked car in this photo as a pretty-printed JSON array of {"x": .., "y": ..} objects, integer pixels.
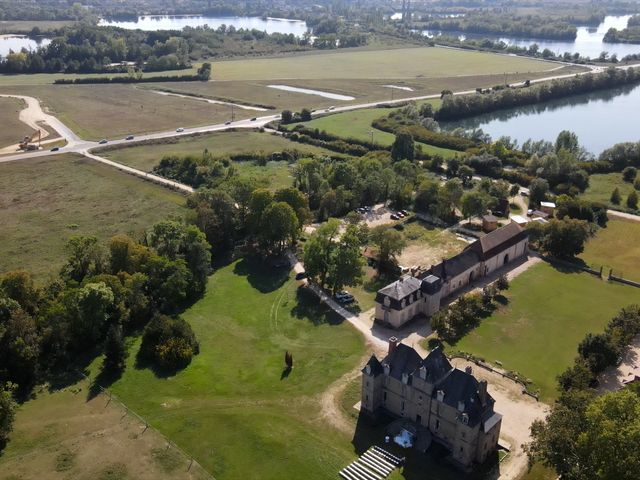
[
  {"x": 103, "y": 141},
  {"x": 130, "y": 137},
  {"x": 55, "y": 149},
  {"x": 179, "y": 129},
  {"x": 228, "y": 122},
  {"x": 524, "y": 194},
  {"x": 331, "y": 108},
  {"x": 344, "y": 297},
  {"x": 394, "y": 217},
  {"x": 400, "y": 214},
  {"x": 404, "y": 212},
  {"x": 254, "y": 119}
]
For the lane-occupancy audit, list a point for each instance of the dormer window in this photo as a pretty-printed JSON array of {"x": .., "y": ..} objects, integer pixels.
[
  {"x": 423, "y": 372},
  {"x": 405, "y": 378},
  {"x": 461, "y": 406},
  {"x": 465, "y": 419},
  {"x": 387, "y": 369},
  {"x": 440, "y": 395},
  {"x": 367, "y": 369}
]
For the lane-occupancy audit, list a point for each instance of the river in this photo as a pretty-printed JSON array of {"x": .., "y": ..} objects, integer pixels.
[
  {"x": 178, "y": 22},
  {"x": 588, "y": 42},
  {"x": 18, "y": 42},
  {"x": 600, "y": 119}
]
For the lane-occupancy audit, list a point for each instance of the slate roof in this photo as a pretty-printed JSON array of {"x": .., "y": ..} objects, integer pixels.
[
  {"x": 398, "y": 291},
  {"x": 403, "y": 359},
  {"x": 497, "y": 241},
  {"x": 460, "y": 386},
  {"x": 454, "y": 266},
  {"x": 437, "y": 366},
  {"x": 376, "y": 367}
]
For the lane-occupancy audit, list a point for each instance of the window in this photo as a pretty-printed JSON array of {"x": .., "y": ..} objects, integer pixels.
[
  {"x": 461, "y": 450},
  {"x": 367, "y": 383},
  {"x": 403, "y": 405},
  {"x": 366, "y": 398},
  {"x": 437, "y": 425},
  {"x": 464, "y": 435},
  {"x": 384, "y": 396}
]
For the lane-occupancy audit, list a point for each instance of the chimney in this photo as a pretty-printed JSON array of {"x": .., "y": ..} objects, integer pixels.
[
  {"x": 469, "y": 370},
  {"x": 482, "y": 392},
  {"x": 393, "y": 343}
]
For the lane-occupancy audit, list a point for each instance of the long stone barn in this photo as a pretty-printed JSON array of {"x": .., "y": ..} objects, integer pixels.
[{"x": 408, "y": 297}]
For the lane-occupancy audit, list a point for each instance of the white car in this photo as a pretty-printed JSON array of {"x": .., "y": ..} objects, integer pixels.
[{"x": 179, "y": 129}]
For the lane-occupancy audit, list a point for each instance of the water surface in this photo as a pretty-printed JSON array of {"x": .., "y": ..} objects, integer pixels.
[{"x": 16, "y": 43}]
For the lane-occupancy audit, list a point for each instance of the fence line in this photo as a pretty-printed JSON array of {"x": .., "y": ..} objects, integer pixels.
[{"x": 141, "y": 419}]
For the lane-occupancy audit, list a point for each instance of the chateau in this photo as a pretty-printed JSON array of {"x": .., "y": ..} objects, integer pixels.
[
  {"x": 449, "y": 405},
  {"x": 404, "y": 299}
]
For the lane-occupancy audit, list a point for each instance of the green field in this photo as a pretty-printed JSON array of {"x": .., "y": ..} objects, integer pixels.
[
  {"x": 233, "y": 408},
  {"x": 63, "y": 435},
  {"x": 380, "y": 64},
  {"x": 601, "y": 186},
  {"x": 548, "y": 314},
  {"x": 145, "y": 157},
  {"x": 44, "y": 201},
  {"x": 357, "y": 124},
  {"x": 616, "y": 247},
  {"x": 12, "y": 129},
  {"x": 25, "y": 26}
]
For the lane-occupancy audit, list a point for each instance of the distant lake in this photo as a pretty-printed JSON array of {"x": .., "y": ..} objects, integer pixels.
[
  {"x": 600, "y": 119},
  {"x": 18, "y": 42},
  {"x": 178, "y": 22},
  {"x": 588, "y": 42}
]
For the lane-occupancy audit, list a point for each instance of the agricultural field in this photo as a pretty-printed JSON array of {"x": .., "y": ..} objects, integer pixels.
[
  {"x": 145, "y": 157},
  {"x": 25, "y": 26},
  {"x": 234, "y": 408},
  {"x": 378, "y": 64},
  {"x": 616, "y": 247},
  {"x": 114, "y": 111},
  {"x": 549, "y": 313},
  {"x": 45, "y": 201},
  {"x": 601, "y": 185},
  {"x": 63, "y": 434},
  {"x": 12, "y": 129}
]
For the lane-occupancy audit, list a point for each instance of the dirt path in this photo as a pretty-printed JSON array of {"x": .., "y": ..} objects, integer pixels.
[
  {"x": 628, "y": 216},
  {"x": 330, "y": 401}
]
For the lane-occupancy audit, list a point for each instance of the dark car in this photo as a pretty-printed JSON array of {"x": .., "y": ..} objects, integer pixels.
[
  {"x": 394, "y": 217},
  {"x": 227, "y": 122},
  {"x": 130, "y": 137},
  {"x": 103, "y": 141},
  {"x": 301, "y": 275},
  {"x": 404, "y": 212},
  {"x": 254, "y": 119},
  {"x": 55, "y": 149}
]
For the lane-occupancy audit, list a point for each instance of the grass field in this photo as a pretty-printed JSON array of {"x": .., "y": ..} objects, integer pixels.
[
  {"x": 44, "y": 201},
  {"x": 12, "y": 129},
  {"x": 601, "y": 186},
  {"x": 25, "y": 26},
  {"x": 61, "y": 435},
  {"x": 357, "y": 124},
  {"x": 145, "y": 157},
  {"x": 549, "y": 313},
  {"x": 381, "y": 64},
  {"x": 617, "y": 247},
  {"x": 234, "y": 408}
]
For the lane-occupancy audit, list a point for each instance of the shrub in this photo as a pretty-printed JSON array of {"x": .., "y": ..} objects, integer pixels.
[
  {"x": 629, "y": 174},
  {"x": 502, "y": 283},
  {"x": 169, "y": 342}
]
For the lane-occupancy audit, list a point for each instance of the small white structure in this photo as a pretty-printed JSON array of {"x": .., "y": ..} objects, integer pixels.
[
  {"x": 519, "y": 220},
  {"x": 548, "y": 208}
]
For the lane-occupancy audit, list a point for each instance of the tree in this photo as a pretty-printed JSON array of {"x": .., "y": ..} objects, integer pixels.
[
  {"x": 305, "y": 115},
  {"x": 286, "y": 116},
  {"x": 318, "y": 250},
  {"x": 8, "y": 408},
  {"x": 565, "y": 238},
  {"x": 615, "y": 196},
  {"x": 389, "y": 241},
  {"x": 629, "y": 174},
  {"x": 465, "y": 173},
  {"x": 260, "y": 200},
  {"x": 598, "y": 351},
  {"x": 18, "y": 285},
  {"x": 204, "y": 72},
  {"x": 346, "y": 262},
  {"x": 403, "y": 147},
  {"x": 568, "y": 141},
  {"x": 279, "y": 226},
  {"x": 297, "y": 200},
  {"x": 90, "y": 308},
  {"x": 502, "y": 283},
  {"x": 169, "y": 342},
  {"x": 19, "y": 350},
  {"x": 474, "y": 204},
  {"x": 426, "y": 199},
  {"x": 538, "y": 190},
  {"x": 514, "y": 190},
  {"x": 85, "y": 258},
  {"x": 115, "y": 351},
  {"x": 632, "y": 200},
  {"x": 450, "y": 195}
]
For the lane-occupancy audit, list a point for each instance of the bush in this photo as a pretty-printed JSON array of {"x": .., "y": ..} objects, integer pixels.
[
  {"x": 502, "y": 283},
  {"x": 169, "y": 343},
  {"x": 629, "y": 174}
]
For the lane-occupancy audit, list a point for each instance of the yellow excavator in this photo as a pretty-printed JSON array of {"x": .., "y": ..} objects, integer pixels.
[{"x": 28, "y": 143}]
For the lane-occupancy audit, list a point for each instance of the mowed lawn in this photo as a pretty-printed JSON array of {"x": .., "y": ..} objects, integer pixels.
[
  {"x": 13, "y": 130},
  {"x": 377, "y": 64},
  {"x": 602, "y": 185},
  {"x": 616, "y": 247},
  {"x": 45, "y": 201},
  {"x": 115, "y": 111},
  {"x": 548, "y": 315},
  {"x": 357, "y": 124},
  {"x": 234, "y": 408},
  {"x": 63, "y": 435},
  {"x": 145, "y": 157}
]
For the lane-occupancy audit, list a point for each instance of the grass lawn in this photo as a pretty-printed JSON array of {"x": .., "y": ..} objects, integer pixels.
[
  {"x": 44, "y": 201},
  {"x": 548, "y": 314},
  {"x": 114, "y": 111},
  {"x": 145, "y": 157},
  {"x": 234, "y": 408},
  {"x": 617, "y": 247},
  {"x": 12, "y": 129},
  {"x": 357, "y": 124},
  {"x": 60, "y": 435},
  {"x": 380, "y": 64},
  {"x": 601, "y": 186}
]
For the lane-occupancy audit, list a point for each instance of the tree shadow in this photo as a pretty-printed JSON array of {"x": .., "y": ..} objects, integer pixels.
[
  {"x": 286, "y": 371},
  {"x": 309, "y": 307},
  {"x": 142, "y": 363},
  {"x": 104, "y": 380},
  {"x": 261, "y": 275}
]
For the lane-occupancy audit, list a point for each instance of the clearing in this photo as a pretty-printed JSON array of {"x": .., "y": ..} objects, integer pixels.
[
  {"x": 44, "y": 201},
  {"x": 62, "y": 435},
  {"x": 549, "y": 313},
  {"x": 12, "y": 129},
  {"x": 234, "y": 408},
  {"x": 378, "y": 64},
  {"x": 616, "y": 247},
  {"x": 601, "y": 186},
  {"x": 145, "y": 157}
]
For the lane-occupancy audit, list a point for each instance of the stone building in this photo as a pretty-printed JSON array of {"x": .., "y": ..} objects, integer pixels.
[
  {"x": 404, "y": 299},
  {"x": 451, "y": 404}
]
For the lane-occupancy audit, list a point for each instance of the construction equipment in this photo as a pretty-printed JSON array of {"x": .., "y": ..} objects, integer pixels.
[{"x": 28, "y": 142}]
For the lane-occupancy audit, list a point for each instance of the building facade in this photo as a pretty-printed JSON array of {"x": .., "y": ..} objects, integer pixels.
[
  {"x": 404, "y": 299},
  {"x": 453, "y": 405}
]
